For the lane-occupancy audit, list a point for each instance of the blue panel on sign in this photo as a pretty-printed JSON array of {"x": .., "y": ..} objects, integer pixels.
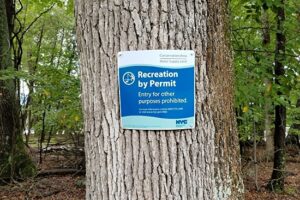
[{"x": 157, "y": 89}]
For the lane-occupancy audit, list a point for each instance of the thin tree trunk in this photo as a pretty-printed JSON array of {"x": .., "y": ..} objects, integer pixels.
[
  {"x": 277, "y": 180},
  {"x": 254, "y": 155},
  {"x": 48, "y": 140},
  {"x": 202, "y": 163},
  {"x": 26, "y": 114},
  {"x": 32, "y": 67},
  {"x": 61, "y": 48},
  {"x": 266, "y": 39}
]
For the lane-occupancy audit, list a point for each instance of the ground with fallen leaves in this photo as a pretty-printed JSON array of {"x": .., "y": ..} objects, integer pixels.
[
  {"x": 46, "y": 188},
  {"x": 292, "y": 181},
  {"x": 71, "y": 186}
]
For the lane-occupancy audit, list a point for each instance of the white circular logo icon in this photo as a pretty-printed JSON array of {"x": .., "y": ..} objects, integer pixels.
[{"x": 128, "y": 78}]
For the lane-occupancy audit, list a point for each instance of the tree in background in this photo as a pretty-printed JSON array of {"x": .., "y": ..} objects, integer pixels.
[
  {"x": 267, "y": 70},
  {"x": 43, "y": 76},
  {"x": 14, "y": 162},
  {"x": 202, "y": 163},
  {"x": 49, "y": 62},
  {"x": 278, "y": 174}
]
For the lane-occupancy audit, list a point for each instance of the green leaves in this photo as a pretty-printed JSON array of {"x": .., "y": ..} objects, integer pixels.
[
  {"x": 9, "y": 74},
  {"x": 49, "y": 67},
  {"x": 254, "y": 31}
]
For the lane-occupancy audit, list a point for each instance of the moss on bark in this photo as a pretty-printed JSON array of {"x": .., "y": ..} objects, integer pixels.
[{"x": 17, "y": 165}]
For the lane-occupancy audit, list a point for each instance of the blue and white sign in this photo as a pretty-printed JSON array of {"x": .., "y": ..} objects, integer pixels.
[{"x": 157, "y": 89}]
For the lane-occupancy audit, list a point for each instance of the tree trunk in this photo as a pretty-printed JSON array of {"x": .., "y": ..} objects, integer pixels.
[
  {"x": 14, "y": 161},
  {"x": 7, "y": 114},
  {"x": 202, "y": 163},
  {"x": 266, "y": 40},
  {"x": 277, "y": 180}
]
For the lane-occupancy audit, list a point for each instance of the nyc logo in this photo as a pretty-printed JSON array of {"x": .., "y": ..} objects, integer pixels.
[{"x": 181, "y": 122}]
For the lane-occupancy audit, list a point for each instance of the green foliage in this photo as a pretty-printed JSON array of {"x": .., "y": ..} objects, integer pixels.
[
  {"x": 294, "y": 110},
  {"x": 251, "y": 22},
  {"x": 49, "y": 67},
  {"x": 80, "y": 183},
  {"x": 48, "y": 73}
]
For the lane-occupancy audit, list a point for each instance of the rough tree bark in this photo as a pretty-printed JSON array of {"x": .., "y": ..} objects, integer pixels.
[
  {"x": 7, "y": 115},
  {"x": 202, "y": 163}
]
